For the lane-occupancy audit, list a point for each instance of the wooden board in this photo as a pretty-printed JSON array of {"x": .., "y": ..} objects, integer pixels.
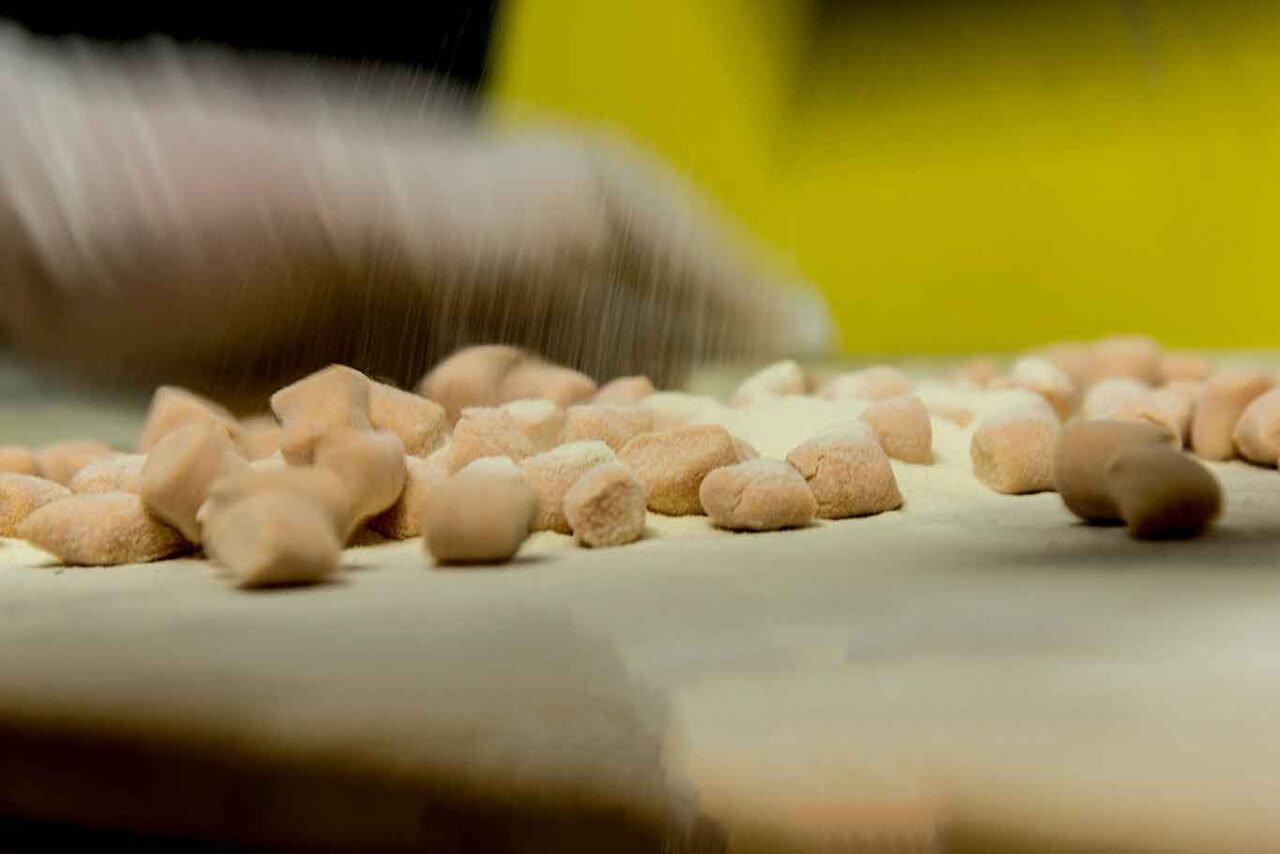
[{"x": 977, "y": 670}]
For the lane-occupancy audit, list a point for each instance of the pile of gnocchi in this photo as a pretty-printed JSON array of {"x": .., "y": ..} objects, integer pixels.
[{"x": 495, "y": 444}]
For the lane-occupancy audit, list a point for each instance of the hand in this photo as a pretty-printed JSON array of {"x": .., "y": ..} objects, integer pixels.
[{"x": 227, "y": 224}]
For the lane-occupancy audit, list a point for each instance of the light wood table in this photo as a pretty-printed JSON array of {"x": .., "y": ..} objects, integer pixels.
[{"x": 978, "y": 674}]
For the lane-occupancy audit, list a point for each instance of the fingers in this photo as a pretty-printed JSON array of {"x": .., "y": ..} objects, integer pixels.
[
  {"x": 186, "y": 224},
  {"x": 210, "y": 224},
  {"x": 674, "y": 249},
  {"x": 516, "y": 239},
  {"x": 592, "y": 258}
]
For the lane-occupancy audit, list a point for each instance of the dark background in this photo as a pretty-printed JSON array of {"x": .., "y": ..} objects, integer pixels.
[{"x": 448, "y": 38}]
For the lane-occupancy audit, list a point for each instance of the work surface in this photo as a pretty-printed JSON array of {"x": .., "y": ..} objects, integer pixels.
[{"x": 976, "y": 670}]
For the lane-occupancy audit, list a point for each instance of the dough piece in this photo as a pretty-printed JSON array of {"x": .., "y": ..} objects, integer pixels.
[
  {"x": 613, "y": 425},
  {"x": 1080, "y": 462},
  {"x": 101, "y": 529},
  {"x": 503, "y": 467},
  {"x": 1012, "y": 451},
  {"x": 1169, "y": 407},
  {"x": 959, "y": 415},
  {"x": 1137, "y": 357},
  {"x": 62, "y": 461},
  {"x": 875, "y": 383},
  {"x": 331, "y": 399},
  {"x": 1183, "y": 366},
  {"x": 976, "y": 373},
  {"x": 624, "y": 390},
  {"x": 1257, "y": 433},
  {"x": 947, "y": 402},
  {"x": 1073, "y": 358},
  {"x": 780, "y": 378},
  {"x": 1162, "y": 493},
  {"x": 116, "y": 473},
  {"x": 23, "y": 494},
  {"x": 902, "y": 427},
  {"x": 1188, "y": 391},
  {"x": 470, "y": 377},
  {"x": 544, "y": 381},
  {"x": 1047, "y": 380},
  {"x": 320, "y": 486},
  {"x": 541, "y": 420},
  {"x": 275, "y": 461},
  {"x": 259, "y": 437},
  {"x": 273, "y": 539},
  {"x": 371, "y": 465},
  {"x": 15, "y": 459},
  {"x": 173, "y": 408},
  {"x": 606, "y": 506},
  {"x": 482, "y": 514},
  {"x": 744, "y": 450},
  {"x": 421, "y": 424},
  {"x": 403, "y": 520},
  {"x": 1219, "y": 406},
  {"x": 672, "y": 464},
  {"x": 177, "y": 475},
  {"x": 553, "y": 473},
  {"x": 848, "y": 472},
  {"x": 673, "y": 409},
  {"x": 486, "y": 431},
  {"x": 1106, "y": 398},
  {"x": 758, "y": 495}
]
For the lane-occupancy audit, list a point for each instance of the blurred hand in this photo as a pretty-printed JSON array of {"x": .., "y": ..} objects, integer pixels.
[{"x": 227, "y": 223}]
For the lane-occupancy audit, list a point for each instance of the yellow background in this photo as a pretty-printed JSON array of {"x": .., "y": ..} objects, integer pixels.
[{"x": 955, "y": 176}]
